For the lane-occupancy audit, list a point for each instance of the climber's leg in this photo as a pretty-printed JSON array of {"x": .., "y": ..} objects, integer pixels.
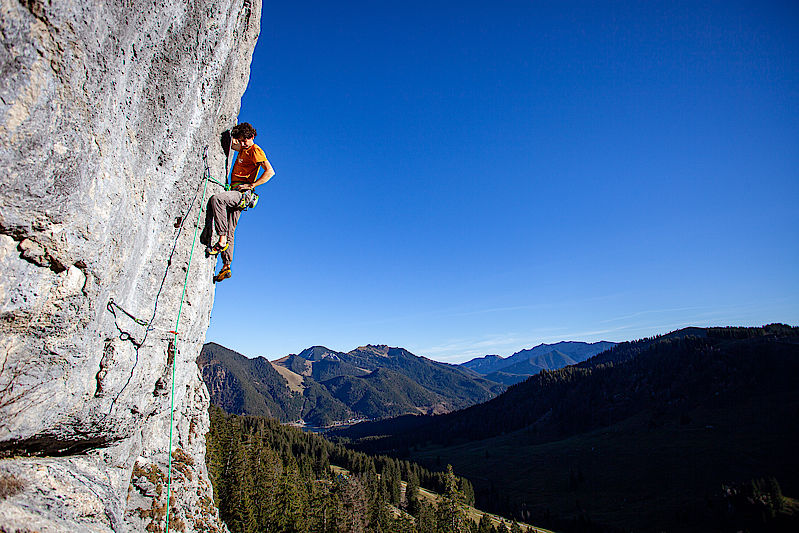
[
  {"x": 232, "y": 221},
  {"x": 220, "y": 204}
]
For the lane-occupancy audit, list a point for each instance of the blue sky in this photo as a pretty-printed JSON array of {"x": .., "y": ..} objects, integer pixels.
[{"x": 465, "y": 178}]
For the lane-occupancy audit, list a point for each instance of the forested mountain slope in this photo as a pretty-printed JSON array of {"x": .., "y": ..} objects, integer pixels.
[
  {"x": 269, "y": 477},
  {"x": 247, "y": 386},
  {"x": 241, "y": 385},
  {"x": 321, "y": 386},
  {"x": 662, "y": 374},
  {"x": 645, "y": 436}
]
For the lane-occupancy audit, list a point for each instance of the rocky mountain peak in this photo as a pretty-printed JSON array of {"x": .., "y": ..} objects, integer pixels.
[
  {"x": 318, "y": 353},
  {"x": 379, "y": 350}
]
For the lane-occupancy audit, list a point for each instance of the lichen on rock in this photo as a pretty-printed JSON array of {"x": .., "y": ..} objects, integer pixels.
[{"x": 105, "y": 111}]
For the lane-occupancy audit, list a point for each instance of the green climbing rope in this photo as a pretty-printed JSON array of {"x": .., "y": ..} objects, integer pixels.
[
  {"x": 227, "y": 187},
  {"x": 177, "y": 323}
]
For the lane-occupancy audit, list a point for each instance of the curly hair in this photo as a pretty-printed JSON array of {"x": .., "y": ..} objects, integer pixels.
[{"x": 243, "y": 131}]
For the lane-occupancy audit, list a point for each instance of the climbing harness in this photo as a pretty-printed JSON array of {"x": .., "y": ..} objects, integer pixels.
[{"x": 172, "y": 350}]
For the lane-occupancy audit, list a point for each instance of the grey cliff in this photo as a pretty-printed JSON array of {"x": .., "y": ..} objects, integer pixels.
[{"x": 105, "y": 111}]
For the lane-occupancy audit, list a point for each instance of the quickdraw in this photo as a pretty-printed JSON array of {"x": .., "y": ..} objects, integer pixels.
[
  {"x": 172, "y": 350},
  {"x": 124, "y": 335},
  {"x": 112, "y": 305}
]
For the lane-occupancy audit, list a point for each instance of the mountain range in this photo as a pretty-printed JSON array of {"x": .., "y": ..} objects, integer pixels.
[
  {"x": 525, "y": 363},
  {"x": 320, "y": 386},
  {"x": 658, "y": 434}
]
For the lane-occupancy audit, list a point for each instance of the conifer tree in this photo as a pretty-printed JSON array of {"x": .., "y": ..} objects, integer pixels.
[
  {"x": 333, "y": 518},
  {"x": 451, "y": 515},
  {"x": 403, "y": 524},
  {"x": 412, "y": 494},
  {"x": 391, "y": 474},
  {"x": 465, "y": 486},
  {"x": 485, "y": 524},
  {"x": 355, "y": 505},
  {"x": 237, "y": 501},
  {"x": 291, "y": 501},
  {"x": 426, "y": 520},
  {"x": 377, "y": 494}
]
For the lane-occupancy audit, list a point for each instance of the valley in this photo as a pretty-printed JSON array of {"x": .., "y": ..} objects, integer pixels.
[
  {"x": 670, "y": 433},
  {"x": 641, "y": 437}
]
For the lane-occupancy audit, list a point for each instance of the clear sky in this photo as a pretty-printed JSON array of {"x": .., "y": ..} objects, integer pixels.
[{"x": 469, "y": 178}]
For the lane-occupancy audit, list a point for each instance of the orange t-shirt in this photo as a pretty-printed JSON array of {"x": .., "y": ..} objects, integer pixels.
[{"x": 245, "y": 170}]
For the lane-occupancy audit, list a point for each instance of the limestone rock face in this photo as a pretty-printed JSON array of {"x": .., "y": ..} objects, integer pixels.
[{"x": 105, "y": 112}]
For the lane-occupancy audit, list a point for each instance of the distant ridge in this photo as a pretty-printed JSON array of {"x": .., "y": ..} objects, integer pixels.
[
  {"x": 529, "y": 362},
  {"x": 486, "y": 364}
]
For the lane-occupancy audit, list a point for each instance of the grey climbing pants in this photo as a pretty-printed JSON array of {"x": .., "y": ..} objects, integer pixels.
[{"x": 224, "y": 207}]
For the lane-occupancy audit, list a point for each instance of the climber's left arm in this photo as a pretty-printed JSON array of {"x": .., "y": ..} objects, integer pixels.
[{"x": 266, "y": 175}]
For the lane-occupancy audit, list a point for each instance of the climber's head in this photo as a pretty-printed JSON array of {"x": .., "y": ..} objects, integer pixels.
[{"x": 244, "y": 133}]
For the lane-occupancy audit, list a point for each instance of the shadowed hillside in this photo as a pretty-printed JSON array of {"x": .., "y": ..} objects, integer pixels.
[
  {"x": 643, "y": 436},
  {"x": 241, "y": 385}
]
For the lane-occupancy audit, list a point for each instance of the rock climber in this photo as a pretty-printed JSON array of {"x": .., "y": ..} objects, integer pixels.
[{"x": 225, "y": 207}]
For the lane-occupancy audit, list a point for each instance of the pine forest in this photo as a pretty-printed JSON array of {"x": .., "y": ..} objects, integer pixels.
[{"x": 273, "y": 478}]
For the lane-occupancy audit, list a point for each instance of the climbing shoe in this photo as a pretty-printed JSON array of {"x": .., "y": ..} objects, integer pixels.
[
  {"x": 216, "y": 248},
  {"x": 223, "y": 274}
]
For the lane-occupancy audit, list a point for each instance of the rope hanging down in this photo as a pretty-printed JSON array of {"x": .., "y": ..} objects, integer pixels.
[
  {"x": 177, "y": 323},
  {"x": 112, "y": 307}
]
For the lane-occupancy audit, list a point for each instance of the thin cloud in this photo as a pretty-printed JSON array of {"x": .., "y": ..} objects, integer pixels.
[
  {"x": 651, "y": 312},
  {"x": 460, "y": 350}
]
